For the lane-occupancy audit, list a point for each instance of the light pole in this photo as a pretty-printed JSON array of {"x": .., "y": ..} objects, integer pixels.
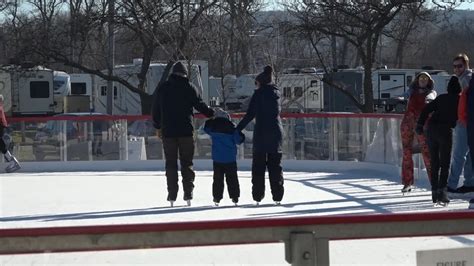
[{"x": 110, "y": 57}]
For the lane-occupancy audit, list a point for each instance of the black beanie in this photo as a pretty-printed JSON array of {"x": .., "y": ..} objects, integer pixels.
[
  {"x": 180, "y": 68},
  {"x": 266, "y": 76},
  {"x": 454, "y": 86}
]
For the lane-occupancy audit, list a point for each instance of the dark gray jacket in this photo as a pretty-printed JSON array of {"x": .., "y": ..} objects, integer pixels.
[
  {"x": 173, "y": 104},
  {"x": 265, "y": 108}
]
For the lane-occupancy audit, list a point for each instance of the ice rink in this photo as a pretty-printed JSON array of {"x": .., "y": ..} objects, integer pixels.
[{"x": 103, "y": 197}]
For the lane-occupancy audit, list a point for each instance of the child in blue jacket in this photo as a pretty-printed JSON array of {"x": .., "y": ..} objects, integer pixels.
[{"x": 225, "y": 139}]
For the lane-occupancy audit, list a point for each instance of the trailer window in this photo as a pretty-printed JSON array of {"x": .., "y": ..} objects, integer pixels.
[
  {"x": 78, "y": 88},
  {"x": 298, "y": 92},
  {"x": 103, "y": 91},
  {"x": 314, "y": 83},
  {"x": 385, "y": 77},
  {"x": 287, "y": 92},
  {"x": 39, "y": 89}
]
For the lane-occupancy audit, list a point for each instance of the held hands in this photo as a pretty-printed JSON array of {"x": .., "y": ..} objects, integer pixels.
[
  {"x": 419, "y": 129},
  {"x": 158, "y": 133}
]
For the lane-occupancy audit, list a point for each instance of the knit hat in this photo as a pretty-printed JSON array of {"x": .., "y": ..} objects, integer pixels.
[
  {"x": 219, "y": 112},
  {"x": 266, "y": 76},
  {"x": 454, "y": 86},
  {"x": 180, "y": 68}
]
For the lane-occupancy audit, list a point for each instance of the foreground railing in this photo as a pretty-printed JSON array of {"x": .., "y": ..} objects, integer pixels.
[
  {"x": 306, "y": 239},
  {"x": 319, "y": 136}
]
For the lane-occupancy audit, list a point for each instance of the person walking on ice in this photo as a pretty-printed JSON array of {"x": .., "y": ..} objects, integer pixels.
[
  {"x": 440, "y": 138},
  {"x": 5, "y": 142},
  {"x": 225, "y": 139}
]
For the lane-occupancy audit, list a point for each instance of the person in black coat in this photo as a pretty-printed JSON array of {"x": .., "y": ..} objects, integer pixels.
[
  {"x": 267, "y": 137},
  {"x": 172, "y": 114},
  {"x": 440, "y": 133}
]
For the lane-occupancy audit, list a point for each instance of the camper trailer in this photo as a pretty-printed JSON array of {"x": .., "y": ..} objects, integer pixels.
[
  {"x": 61, "y": 88},
  {"x": 299, "y": 92},
  {"x": 388, "y": 86},
  {"x": 128, "y": 102},
  {"x": 27, "y": 91},
  {"x": 81, "y": 96}
]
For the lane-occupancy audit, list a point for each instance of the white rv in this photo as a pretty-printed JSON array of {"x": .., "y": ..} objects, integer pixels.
[
  {"x": 128, "y": 102},
  {"x": 299, "y": 92},
  {"x": 62, "y": 88},
  {"x": 388, "y": 85},
  {"x": 27, "y": 91}
]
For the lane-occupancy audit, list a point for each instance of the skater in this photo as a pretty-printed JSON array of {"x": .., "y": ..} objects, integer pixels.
[
  {"x": 461, "y": 158},
  {"x": 420, "y": 93},
  {"x": 5, "y": 142},
  {"x": 172, "y": 114},
  {"x": 267, "y": 137},
  {"x": 439, "y": 137},
  {"x": 225, "y": 139}
]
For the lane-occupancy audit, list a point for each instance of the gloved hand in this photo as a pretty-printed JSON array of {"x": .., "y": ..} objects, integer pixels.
[
  {"x": 419, "y": 129},
  {"x": 158, "y": 133}
]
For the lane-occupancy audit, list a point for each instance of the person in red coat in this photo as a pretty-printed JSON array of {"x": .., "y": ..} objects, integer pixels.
[
  {"x": 420, "y": 93},
  {"x": 5, "y": 141}
]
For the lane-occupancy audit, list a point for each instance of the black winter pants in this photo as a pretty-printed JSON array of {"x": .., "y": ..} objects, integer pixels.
[
  {"x": 272, "y": 162},
  {"x": 229, "y": 170},
  {"x": 440, "y": 142},
  {"x": 183, "y": 148},
  {"x": 3, "y": 147}
]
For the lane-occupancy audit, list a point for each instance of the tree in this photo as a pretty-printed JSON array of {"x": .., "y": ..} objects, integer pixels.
[{"x": 360, "y": 22}]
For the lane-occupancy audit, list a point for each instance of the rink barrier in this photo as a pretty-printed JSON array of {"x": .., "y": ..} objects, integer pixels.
[
  {"x": 306, "y": 239},
  {"x": 199, "y": 116}
]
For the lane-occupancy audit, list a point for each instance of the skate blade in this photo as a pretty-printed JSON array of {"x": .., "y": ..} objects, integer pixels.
[
  {"x": 188, "y": 202},
  {"x": 171, "y": 203},
  {"x": 12, "y": 169},
  {"x": 441, "y": 204}
]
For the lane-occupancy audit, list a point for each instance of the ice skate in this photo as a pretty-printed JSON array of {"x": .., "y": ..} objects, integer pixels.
[
  {"x": 188, "y": 202},
  {"x": 406, "y": 189},
  {"x": 257, "y": 203},
  {"x": 171, "y": 203},
  {"x": 235, "y": 201},
  {"x": 14, "y": 164},
  {"x": 277, "y": 203},
  {"x": 443, "y": 199},
  {"x": 216, "y": 203},
  {"x": 471, "y": 204}
]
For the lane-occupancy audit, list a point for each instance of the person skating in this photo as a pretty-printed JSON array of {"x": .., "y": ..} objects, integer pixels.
[
  {"x": 420, "y": 93},
  {"x": 439, "y": 137},
  {"x": 267, "y": 137},
  {"x": 172, "y": 114},
  {"x": 225, "y": 139},
  {"x": 5, "y": 141}
]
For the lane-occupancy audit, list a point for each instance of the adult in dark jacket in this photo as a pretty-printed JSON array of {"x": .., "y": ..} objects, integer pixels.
[
  {"x": 440, "y": 137},
  {"x": 172, "y": 114},
  {"x": 267, "y": 137},
  {"x": 470, "y": 119}
]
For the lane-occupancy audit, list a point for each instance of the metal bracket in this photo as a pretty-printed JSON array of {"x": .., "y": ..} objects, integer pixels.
[{"x": 304, "y": 249}]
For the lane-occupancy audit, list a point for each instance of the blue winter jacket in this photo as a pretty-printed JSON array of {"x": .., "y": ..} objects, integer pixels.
[
  {"x": 225, "y": 139},
  {"x": 265, "y": 108}
]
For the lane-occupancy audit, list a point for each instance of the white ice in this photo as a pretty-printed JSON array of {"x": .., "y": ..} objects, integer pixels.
[{"x": 47, "y": 199}]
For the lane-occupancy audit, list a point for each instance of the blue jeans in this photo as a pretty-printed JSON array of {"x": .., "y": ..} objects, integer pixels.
[{"x": 460, "y": 159}]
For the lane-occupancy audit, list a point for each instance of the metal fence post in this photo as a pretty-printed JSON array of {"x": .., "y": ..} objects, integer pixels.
[{"x": 304, "y": 249}]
